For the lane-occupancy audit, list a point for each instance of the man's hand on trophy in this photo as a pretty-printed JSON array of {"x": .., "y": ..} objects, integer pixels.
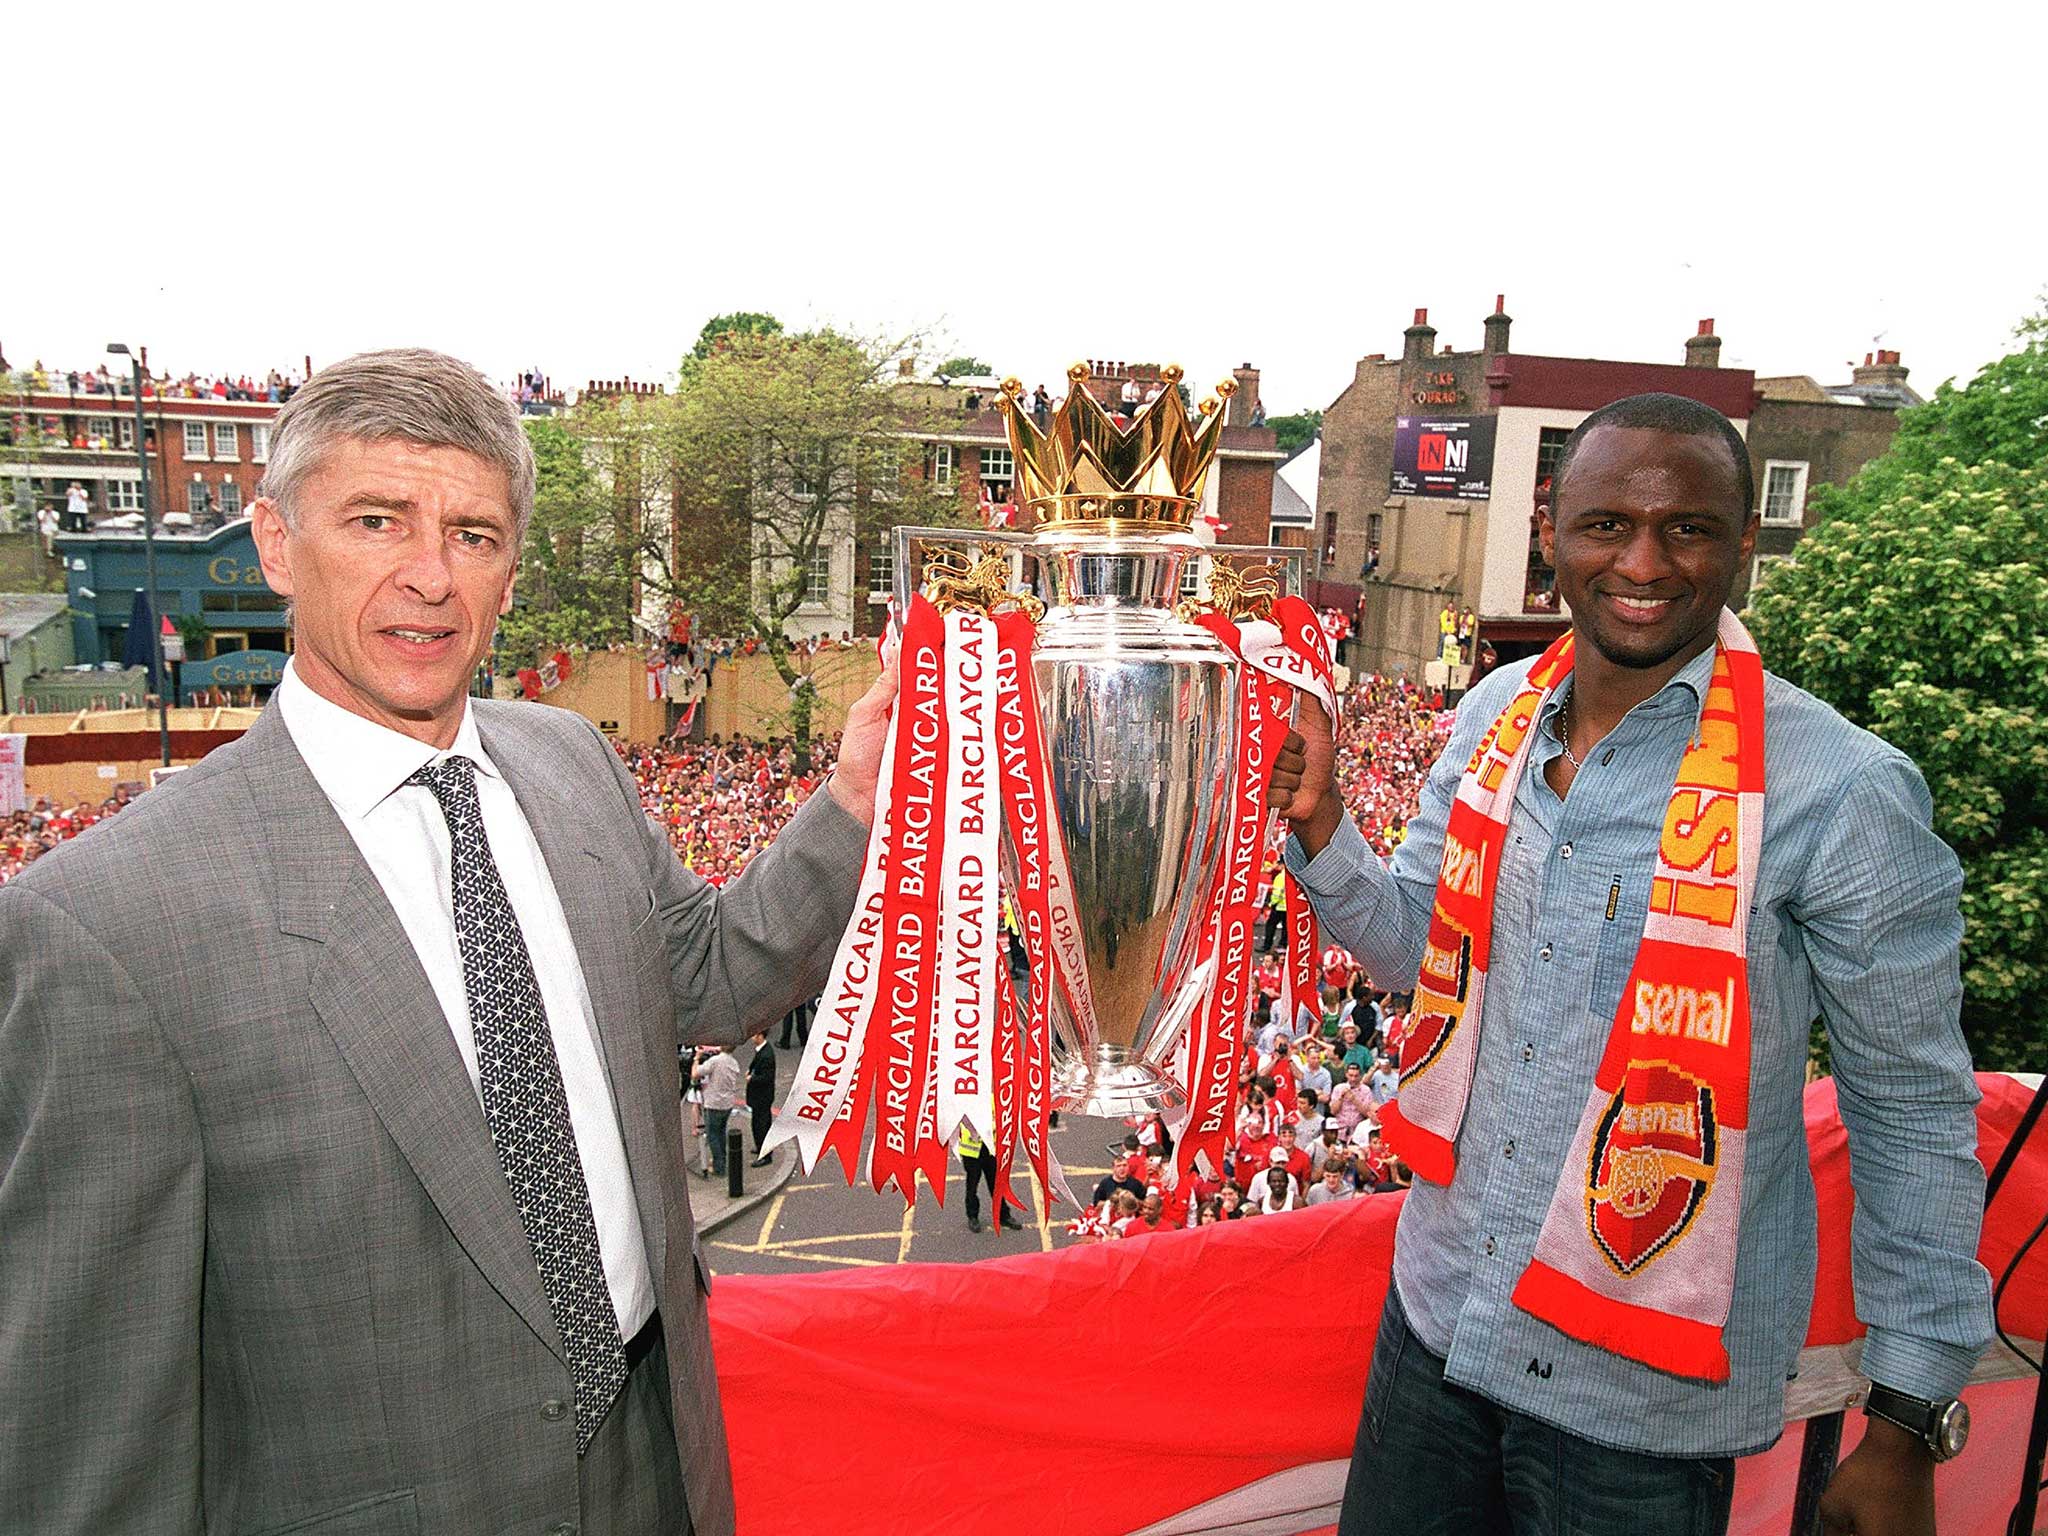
[
  {"x": 1303, "y": 788},
  {"x": 860, "y": 748}
]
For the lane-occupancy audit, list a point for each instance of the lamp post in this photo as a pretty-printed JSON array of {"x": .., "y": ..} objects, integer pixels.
[{"x": 156, "y": 639}]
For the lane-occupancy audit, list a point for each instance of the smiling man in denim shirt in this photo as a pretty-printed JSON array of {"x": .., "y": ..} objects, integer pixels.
[{"x": 1479, "y": 1416}]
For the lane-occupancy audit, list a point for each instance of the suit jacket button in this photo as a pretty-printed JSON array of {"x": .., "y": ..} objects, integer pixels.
[
  {"x": 566, "y": 1528},
  {"x": 554, "y": 1408}
]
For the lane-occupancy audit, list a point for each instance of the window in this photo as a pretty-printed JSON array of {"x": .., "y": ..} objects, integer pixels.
[
  {"x": 100, "y": 429},
  {"x": 885, "y": 470},
  {"x": 818, "y": 582},
  {"x": 939, "y": 466},
  {"x": 124, "y": 433},
  {"x": 265, "y": 601},
  {"x": 259, "y": 442},
  {"x": 195, "y": 439},
  {"x": 123, "y": 495},
  {"x": 882, "y": 570},
  {"x": 998, "y": 466},
  {"x": 1191, "y": 580},
  {"x": 1550, "y": 443},
  {"x": 810, "y": 475},
  {"x": 230, "y": 501},
  {"x": 225, "y": 444},
  {"x": 1759, "y": 564},
  {"x": 1785, "y": 492}
]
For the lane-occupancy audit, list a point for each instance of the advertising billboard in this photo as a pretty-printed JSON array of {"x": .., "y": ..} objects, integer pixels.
[{"x": 1443, "y": 456}]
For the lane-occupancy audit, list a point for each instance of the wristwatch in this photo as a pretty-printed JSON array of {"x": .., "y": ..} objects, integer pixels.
[{"x": 1944, "y": 1426}]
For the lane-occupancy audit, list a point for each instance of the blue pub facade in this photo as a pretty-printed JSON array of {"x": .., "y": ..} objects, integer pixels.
[{"x": 211, "y": 577}]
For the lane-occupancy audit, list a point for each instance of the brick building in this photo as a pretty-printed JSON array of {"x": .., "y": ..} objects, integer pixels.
[
  {"x": 1435, "y": 465},
  {"x": 1804, "y": 434},
  {"x": 206, "y": 456}
]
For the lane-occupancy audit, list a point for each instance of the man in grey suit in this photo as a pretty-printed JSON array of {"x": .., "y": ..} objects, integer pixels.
[{"x": 342, "y": 1187}]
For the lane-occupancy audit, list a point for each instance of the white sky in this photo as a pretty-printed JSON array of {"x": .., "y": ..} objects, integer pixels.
[{"x": 580, "y": 186}]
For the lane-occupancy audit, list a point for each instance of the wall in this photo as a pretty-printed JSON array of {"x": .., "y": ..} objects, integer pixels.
[
  {"x": 607, "y": 687},
  {"x": 1835, "y": 440},
  {"x": 748, "y": 696},
  {"x": 46, "y": 648},
  {"x": 82, "y": 757}
]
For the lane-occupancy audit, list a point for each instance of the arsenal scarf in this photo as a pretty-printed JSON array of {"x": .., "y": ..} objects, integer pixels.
[{"x": 1655, "y": 1167}]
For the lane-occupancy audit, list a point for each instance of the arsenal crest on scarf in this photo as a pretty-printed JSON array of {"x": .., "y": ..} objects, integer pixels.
[
  {"x": 1109, "y": 755},
  {"x": 1655, "y": 1169}
]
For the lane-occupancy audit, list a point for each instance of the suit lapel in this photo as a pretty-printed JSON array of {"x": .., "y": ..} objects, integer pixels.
[
  {"x": 571, "y": 840},
  {"x": 374, "y": 999}
]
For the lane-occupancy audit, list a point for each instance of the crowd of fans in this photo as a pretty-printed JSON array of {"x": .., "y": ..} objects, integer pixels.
[
  {"x": 26, "y": 835},
  {"x": 722, "y": 803},
  {"x": 276, "y": 386}
]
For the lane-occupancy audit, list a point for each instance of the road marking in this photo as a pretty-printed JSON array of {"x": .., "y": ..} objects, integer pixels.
[
  {"x": 789, "y": 1243},
  {"x": 836, "y": 1261},
  {"x": 768, "y": 1226},
  {"x": 909, "y": 1227}
]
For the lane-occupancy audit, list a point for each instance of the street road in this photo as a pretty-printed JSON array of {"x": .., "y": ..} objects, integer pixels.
[{"x": 817, "y": 1221}]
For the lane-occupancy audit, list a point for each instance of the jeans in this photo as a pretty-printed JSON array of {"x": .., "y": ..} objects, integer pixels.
[
  {"x": 1433, "y": 1459},
  {"x": 714, "y": 1131}
]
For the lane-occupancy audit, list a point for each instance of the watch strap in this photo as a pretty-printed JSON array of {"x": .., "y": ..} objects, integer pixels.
[{"x": 1915, "y": 1415}]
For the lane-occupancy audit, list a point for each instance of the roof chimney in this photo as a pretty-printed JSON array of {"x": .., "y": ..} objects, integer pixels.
[
  {"x": 1420, "y": 339},
  {"x": 1244, "y": 405},
  {"x": 1704, "y": 349},
  {"x": 1496, "y": 327},
  {"x": 1881, "y": 369}
]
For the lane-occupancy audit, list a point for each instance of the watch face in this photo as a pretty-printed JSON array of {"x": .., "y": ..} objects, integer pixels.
[{"x": 1951, "y": 1430}]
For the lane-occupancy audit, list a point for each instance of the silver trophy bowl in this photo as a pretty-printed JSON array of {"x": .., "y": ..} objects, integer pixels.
[{"x": 1139, "y": 712}]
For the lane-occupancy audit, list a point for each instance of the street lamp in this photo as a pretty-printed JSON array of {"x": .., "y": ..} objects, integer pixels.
[{"x": 156, "y": 639}]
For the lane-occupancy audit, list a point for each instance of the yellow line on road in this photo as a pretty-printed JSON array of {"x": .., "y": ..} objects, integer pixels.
[
  {"x": 768, "y": 1225},
  {"x": 837, "y": 1237},
  {"x": 909, "y": 1227},
  {"x": 841, "y": 1261}
]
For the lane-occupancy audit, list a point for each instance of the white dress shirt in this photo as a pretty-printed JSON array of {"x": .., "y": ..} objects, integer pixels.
[{"x": 362, "y": 767}]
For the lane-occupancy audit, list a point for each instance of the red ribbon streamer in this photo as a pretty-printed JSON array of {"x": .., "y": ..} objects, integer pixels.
[
  {"x": 910, "y": 911},
  {"x": 1027, "y": 808}
]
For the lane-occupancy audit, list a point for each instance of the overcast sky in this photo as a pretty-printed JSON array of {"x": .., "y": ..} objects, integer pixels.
[{"x": 580, "y": 186}]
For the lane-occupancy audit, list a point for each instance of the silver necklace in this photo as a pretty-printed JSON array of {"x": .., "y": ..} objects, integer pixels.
[{"x": 1564, "y": 735}]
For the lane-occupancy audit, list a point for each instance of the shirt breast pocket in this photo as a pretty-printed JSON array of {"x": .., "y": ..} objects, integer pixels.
[{"x": 1619, "y": 919}]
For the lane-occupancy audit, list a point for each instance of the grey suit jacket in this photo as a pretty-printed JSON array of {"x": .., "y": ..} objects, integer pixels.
[{"x": 259, "y": 1265}]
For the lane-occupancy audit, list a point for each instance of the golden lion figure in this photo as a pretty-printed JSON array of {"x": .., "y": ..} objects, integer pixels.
[{"x": 952, "y": 580}]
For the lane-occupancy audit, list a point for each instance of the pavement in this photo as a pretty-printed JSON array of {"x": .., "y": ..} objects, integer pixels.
[
  {"x": 711, "y": 1201},
  {"x": 790, "y": 1222}
]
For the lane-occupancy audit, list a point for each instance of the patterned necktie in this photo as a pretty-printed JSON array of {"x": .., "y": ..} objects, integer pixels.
[{"x": 525, "y": 1103}]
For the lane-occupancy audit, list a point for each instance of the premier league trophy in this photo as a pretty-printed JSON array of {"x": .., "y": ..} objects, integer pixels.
[{"x": 1138, "y": 705}]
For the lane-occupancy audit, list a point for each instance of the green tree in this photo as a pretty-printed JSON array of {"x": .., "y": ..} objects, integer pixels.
[
  {"x": 741, "y": 322},
  {"x": 776, "y": 450},
  {"x": 1919, "y": 609},
  {"x": 1296, "y": 431},
  {"x": 964, "y": 368},
  {"x": 576, "y": 570}
]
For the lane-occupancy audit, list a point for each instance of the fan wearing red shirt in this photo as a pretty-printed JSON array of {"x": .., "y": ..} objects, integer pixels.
[
  {"x": 1254, "y": 1148},
  {"x": 1297, "y": 1161},
  {"x": 1337, "y": 967}
]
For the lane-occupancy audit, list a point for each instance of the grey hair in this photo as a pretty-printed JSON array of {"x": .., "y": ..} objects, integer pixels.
[{"x": 403, "y": 393}]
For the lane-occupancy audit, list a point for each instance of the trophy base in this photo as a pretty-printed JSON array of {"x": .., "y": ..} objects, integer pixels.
[{"x": 1113, "y": 1085}]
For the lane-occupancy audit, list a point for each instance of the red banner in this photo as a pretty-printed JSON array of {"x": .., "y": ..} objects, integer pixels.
[
  {"x": 1027, "y": 807},
  {"x": 1007, "y": 1074},
  {"x": 910, "y": 907},
  {"x": 1233, "y": 914},
  {"x": 1298, "y": 989}
]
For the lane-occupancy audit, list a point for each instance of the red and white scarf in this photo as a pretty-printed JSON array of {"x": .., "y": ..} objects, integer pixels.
[{"x": 1655, "y": 1166}]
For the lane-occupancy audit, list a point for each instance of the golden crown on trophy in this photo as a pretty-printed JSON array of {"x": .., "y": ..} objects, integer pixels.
[{"x": 1084, "y": 468}]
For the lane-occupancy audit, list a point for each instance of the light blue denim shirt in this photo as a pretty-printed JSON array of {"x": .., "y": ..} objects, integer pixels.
[{"x": 1855, "y": 922}]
